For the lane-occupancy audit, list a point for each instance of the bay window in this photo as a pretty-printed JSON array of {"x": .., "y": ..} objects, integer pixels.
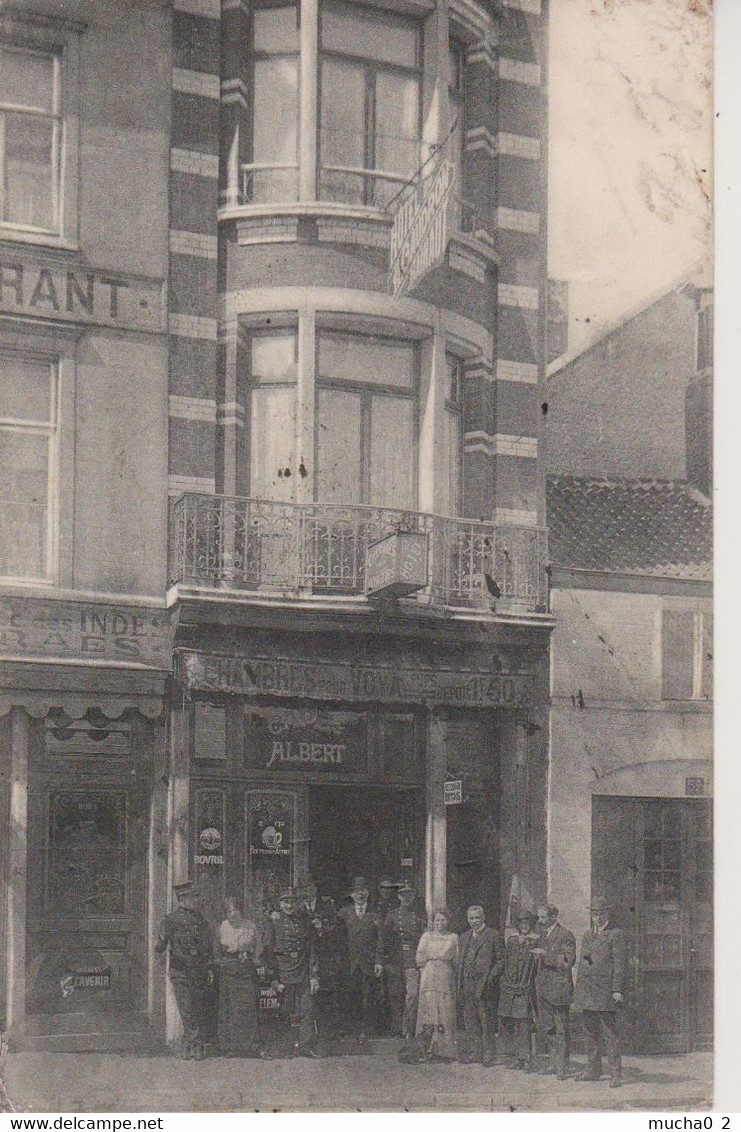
[
  {"x": 272, "y": 174},
  {"x": 28, "y": 464},
  {"x": 366, "y": 426},
  {"x": 369, "y": 94},
  {"x": 30, "y": 138}
]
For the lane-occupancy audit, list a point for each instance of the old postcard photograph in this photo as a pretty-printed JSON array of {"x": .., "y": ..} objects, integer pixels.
[{"x": 356, "y": 556}]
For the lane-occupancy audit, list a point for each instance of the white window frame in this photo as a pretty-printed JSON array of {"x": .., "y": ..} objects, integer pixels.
[{"x": 58, "y": 37}]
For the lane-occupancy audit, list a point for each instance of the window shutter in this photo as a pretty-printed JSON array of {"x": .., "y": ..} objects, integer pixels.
[{"x": 678, "y": 654}]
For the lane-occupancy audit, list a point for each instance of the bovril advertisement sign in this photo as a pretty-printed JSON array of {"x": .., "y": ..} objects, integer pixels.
[{"x": 209, "y": 850}]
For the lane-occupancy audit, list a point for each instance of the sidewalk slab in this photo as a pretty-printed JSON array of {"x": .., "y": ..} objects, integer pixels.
[{"x": 105, "y": 1082}]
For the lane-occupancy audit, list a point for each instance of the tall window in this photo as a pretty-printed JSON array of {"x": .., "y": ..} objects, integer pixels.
[
  {"x": 450, "y": 503},
  {"x": 366, "y": 428},
  {"x": 687, "y": 655},
  {"x": 369, "y": 91},
  {"x": 30, "y": 138},
  {"x": 456, "y": 64},
  {"x": 272, "y": 174},
  {"x": 28, "y": 459},
  {"x": 272, "y": 408}
]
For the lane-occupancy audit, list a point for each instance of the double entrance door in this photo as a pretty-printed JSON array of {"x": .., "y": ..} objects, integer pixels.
[{"x": 653, "y": 856}]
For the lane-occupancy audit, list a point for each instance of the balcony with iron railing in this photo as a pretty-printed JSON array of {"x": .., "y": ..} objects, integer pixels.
[{"x": 258, "y": 550}]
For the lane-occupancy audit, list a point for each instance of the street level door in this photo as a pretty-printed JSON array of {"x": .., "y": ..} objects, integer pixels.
[{"x": 653, "y": 856}]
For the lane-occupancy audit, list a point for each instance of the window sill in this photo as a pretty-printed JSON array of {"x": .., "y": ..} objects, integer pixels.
[
  {"x": 12, "y": 235},
  {"x": 306, "y": 210}
]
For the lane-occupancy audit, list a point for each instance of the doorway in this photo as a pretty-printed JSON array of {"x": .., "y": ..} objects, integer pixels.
[
  {"x": 654, "y": 857},
  {"x": 364, "y": 831}
]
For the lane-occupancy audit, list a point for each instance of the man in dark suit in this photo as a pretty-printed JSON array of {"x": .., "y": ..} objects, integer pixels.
[
  {"x": 481, "y": 964},
  {"x": 599, "y": 991},
  {"x": 331, "y": 958},
  {"x": 554, "y": 988},
  {"x": 363, "y": 944},
  {"x": 401, "y": 930}
]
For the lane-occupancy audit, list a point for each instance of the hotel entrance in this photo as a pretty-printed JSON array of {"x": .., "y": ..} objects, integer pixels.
[{"x": 364, "y": 830}]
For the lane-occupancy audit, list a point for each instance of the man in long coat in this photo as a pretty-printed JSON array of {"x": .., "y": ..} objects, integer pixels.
[
  {"x": 289, "y": 955},
  {"x": 517, "y": 991},
  {"x": 481, "y": 963},
  {"x": 363, "y": 945},
  {"x": 600, "y": 984},
  {"x": 188, "y": 937},
  {"x": 331, "y": 959},
  {"x": 554, "y": 987}
]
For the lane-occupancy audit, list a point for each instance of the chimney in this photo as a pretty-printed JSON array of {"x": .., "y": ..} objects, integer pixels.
[{"x": 698, "y": 404}]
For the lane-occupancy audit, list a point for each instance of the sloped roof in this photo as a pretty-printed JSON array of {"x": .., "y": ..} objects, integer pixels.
[{"x": 654, "y": 527}]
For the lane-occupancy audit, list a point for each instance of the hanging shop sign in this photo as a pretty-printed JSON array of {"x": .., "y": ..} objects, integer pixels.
[
  {"x": 396, "y": 565},
  {"x": 419, "y": 235},
  {"x": 79, "y": 294},
  {"x": 350, "y": 682},
  {"x": 453, "y": 792},
  {"x": 305, "y": 739},
  {"x": 32, "y": 627}
]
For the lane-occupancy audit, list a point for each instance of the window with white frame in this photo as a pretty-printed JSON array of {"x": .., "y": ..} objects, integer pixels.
[
  {"x": 30, "y": 138},
  {"x": 687, "y": 654},
  {"x": 366, "y": 420},
  {"x": 28, "y": 467},
  {"x": 370, "y": 104},
  {"x": 272, "y": 413},
  {"x": 272, "y": 174}
]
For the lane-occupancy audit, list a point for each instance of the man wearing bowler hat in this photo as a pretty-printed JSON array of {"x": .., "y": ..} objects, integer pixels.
[
  {"x": 362, "y": 925},
  {"x": 289, "y": 955},
  {"x": 599, "y": 991},
  {"x": 187, "y": 935}
]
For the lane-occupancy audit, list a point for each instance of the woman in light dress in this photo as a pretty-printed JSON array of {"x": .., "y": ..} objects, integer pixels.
[
  {"x": 437, "y": 957},
  {"x": 237, "y": 983}
]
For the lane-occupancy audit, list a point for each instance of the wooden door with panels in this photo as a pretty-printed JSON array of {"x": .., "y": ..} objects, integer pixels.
[{"x": 653, "y": 857}]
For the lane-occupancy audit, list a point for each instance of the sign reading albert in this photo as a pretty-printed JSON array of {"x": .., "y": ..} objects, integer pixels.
[
  {"x": 348, "y": 682},
  {"x": 300, "y": 739},
  {"x": 84, "y": 631}
]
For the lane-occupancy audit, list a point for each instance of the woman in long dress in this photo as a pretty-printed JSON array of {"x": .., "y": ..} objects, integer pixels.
[
  {"x": 437, "y": 956},
  {"x": 237, "y": 983}
]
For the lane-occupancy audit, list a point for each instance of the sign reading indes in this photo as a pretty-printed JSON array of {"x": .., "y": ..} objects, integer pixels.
[
  {"x": 85, "y": 631},
  {"x": 348, "y": 682},
  {"x": 48, "y": 289}
]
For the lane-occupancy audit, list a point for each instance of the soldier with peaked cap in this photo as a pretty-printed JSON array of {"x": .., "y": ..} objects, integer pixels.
[
  {"x": 599, "y": 991},
  {"x": 289, "y": 956},
  {"x": 400, "y": 932},
  {"x": 187, "y": 935}
]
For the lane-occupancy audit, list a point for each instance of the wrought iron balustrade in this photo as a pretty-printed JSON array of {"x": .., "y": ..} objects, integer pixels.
[{"x": 260, "y": 546}]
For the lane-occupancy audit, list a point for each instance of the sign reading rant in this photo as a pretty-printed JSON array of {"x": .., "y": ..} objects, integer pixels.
[
  {"x": 38, "y": 628},
  {"x": 397, "y": 564},
  {"x": 78, "y": 294},
  {"x": 366, "y": 683},
  {"x": 288, "y": 739}
]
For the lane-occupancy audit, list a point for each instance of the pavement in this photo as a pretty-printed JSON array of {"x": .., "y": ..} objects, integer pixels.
[{"x": 374, "y": 1082}]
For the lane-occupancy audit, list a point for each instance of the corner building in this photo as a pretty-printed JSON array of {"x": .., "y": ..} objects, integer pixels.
[
  {"x": 287, "y": 713},
  {"x": 312, "y": 414}
]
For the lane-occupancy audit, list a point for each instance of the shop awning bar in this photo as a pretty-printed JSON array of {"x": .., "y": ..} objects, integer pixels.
[{"x": 259, "y": 546}]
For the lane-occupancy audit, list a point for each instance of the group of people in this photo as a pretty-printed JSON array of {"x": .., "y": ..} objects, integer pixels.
[{"x": 326, "y": 966}]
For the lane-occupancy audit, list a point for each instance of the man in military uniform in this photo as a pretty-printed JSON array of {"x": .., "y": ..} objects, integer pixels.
[
  {"x": 599, "y": 991},
  {"x": 331, "y": 961},
  {"x": 400, "y": 933},
  {"x": 187, "y": 934},
  {"x": 289, "y": 955}
]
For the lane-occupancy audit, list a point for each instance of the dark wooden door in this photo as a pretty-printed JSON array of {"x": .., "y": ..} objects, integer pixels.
[
  {"x": 653, "y": 857},
  {"x": 86, "y": 977}
]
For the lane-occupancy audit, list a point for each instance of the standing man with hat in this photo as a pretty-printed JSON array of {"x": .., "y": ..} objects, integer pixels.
[
  {"x": 554, "y": 988},
  {"x": 600, "y": 983},
  {"x": 187, "y": 935},
  {"x": 289, "y": 955},
  {"x": 362, "y": 925},
  {"x": 401, "y": 931}
]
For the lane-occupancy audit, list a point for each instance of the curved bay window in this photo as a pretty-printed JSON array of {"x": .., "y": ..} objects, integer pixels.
[
  {"x": 366, "y": 427},
  {"x": 369, "y": 92},
  {"x": 272, "y": 174}
]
